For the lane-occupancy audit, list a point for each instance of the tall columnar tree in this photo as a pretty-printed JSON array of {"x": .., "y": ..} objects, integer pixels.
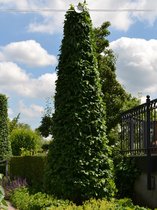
[
  {"x": 79, "y": 166},
  {"x": 5, "y": 148}
]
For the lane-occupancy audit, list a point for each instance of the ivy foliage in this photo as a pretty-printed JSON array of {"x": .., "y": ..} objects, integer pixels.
[
  {"x": 5, "y": 147},
  {"x": 78, "y": 165},
  {"x": 125, "y": 169}
]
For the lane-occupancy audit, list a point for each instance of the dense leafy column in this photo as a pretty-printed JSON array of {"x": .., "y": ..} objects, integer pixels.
[
  {"x": 5, "y": 148},
  {"x": 79, "y": 166}
]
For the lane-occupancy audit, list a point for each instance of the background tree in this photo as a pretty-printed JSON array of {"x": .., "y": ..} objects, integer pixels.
[
  {"x": 25, "y": 140},
  {"x": 45, "y": 128},
  {"x": 79, "y": 166},
  {"x": 12, "y": 124},
  {"x": 114, "y": 95},
  {"x": 5, "y": 148}
]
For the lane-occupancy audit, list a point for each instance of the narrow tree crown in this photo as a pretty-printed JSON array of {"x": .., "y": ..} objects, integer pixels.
[
  {"x": 78, "y": 163},
  {"x": 5, "y": 147}
]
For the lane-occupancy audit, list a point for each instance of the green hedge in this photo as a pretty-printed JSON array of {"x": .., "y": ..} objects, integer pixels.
[
  {"x": 29, "y": 167},
  {"x": 21, "y": 198}
]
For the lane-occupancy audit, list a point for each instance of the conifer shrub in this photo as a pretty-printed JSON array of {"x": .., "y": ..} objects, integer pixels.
[{"x": 79, "y": 165}]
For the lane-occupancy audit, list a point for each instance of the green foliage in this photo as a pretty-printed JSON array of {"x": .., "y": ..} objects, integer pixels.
[
  {"x": 23, "y": 139},
  {"x": 130, "y": 102},
  {"x": 114, "y": 95},
  {"x": 29, "y": 167},
  {"x": 45, "y": 146},
  {"x": 79, "y": 166},
  {"x": 10, "y": 185},
  {"x": 12, "y": 124},
  {"x": 23, "y": 199},
  {"x": 126, "y": 172},
  {"x": 3, "y": 204},
  {"x": 5, "y": 148},
  {"x": 45, "y": 128}
]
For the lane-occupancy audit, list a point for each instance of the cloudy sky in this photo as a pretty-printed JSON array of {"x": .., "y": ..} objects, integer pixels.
[{"x": 30, "y": 38}]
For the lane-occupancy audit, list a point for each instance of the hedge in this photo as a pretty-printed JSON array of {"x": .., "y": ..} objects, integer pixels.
[
  {"x": 21, "y": 198},
  {"x": 30, "y": 168}
]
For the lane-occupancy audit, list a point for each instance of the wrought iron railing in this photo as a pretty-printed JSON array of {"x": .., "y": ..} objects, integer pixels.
[
  {"x": 139, "y": 129},
  {"x": 139, "y": 134}
]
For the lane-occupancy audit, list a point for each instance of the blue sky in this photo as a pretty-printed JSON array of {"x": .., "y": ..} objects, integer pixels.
[{"x": 30, "y": 42}]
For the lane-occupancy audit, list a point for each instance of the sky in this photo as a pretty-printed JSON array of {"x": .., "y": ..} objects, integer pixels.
[{"x": 30, "y": 43}]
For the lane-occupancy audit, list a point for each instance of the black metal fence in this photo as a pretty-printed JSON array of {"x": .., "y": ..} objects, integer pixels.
[
  {"x": 139, "y": 129},
  {"x": 139, "y": 134}
]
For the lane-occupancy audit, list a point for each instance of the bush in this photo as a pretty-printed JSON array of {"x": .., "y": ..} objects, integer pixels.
[
  {"x": 24, "y": 139},
  {"x": 125, "y": 169},
  {"x": 23, "y": 199},
  {"x": 29, "y": 167},
  {"x": 10, "y": 185}
]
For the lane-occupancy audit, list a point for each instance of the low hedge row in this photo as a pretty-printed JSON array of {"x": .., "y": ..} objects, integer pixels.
[
  {"x": 21, "y": 198},
  {"x": 30, "y": 168}
]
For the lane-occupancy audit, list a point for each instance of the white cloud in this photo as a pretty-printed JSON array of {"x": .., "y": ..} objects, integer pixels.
[
  {"x": 11, "y": 74},
  {"x": 52, "y": 21},
  {"x": 119, "y": 20},
  {"x": 15, "y": 80},
  {"x": 48, "y": 25},
  {"x": 136, "y": 64},
  {"x": 27, "y": 52},
  {"x": 43, "y": 86},
  {"x": 30, "y": 111},
  {"x": 146, "y": 16}
]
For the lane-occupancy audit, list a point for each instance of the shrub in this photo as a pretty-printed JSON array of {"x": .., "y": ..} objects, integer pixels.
[
  {"x": 30, "y": 168},
  {"x": 23, "y": 199},
  {"x": 125, "y": 169},
  {"x": 24, "y": 139},
  {"x": 10, "y": 185}
]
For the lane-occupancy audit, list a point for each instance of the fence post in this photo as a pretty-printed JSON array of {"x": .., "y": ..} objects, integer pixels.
[{"x": 149, "y": 167}]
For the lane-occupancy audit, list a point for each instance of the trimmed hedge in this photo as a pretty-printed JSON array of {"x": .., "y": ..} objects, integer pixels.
[{"x": 30, "y": 168}]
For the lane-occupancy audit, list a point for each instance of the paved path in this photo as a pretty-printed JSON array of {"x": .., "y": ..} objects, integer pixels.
[{"x": 10, "y": 207}]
